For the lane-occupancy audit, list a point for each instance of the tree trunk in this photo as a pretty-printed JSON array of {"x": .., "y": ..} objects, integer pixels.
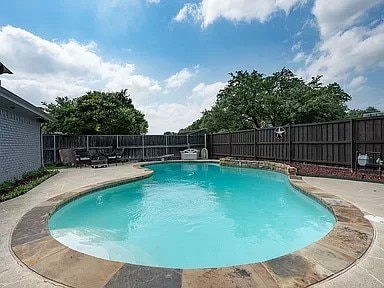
[{"x": 255, "y": 122}]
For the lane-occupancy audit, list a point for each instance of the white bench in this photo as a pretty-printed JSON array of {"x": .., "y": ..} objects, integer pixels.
[{"x": 189, "y": 154}]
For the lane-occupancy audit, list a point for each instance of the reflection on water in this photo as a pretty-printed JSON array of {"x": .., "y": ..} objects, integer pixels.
[{"x": 193, "y": 216}]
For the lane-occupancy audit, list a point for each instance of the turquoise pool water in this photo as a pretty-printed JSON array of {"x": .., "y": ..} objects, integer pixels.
[{"x": 193, "y": 215}]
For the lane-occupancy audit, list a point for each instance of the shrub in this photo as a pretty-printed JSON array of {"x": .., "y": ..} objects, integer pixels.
[
  {"x": 6, "y": 186},
  {"x": 13, "y": 188}
]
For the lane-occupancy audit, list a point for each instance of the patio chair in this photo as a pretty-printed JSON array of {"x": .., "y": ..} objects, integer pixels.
[
  {"x": 98, "y": 159},
  {"x": 116, "y": 156},
  {"x": 82, "y": 158},
  {"x": 68, "y": 157}
]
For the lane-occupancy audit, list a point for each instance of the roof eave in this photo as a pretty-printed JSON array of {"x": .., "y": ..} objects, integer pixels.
[
  {"x": 4, "y": 69},
  {"x": 25, "y": 104}
]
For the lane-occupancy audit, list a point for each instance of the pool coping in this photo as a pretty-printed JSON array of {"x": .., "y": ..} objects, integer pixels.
[{"x": 336, "y": 252}]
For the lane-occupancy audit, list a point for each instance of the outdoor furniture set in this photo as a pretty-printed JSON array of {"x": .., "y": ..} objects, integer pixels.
[{"x": 98, "y": 159}]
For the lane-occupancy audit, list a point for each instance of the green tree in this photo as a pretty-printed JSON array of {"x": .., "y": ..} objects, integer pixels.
[
  {"x": 358, "y": 113},
  {"x": 196, "y": 125},
  {"x": 170, "y": 133},
  {"x": 250, "y": 99},
  {"x": 96, "y": 113}
]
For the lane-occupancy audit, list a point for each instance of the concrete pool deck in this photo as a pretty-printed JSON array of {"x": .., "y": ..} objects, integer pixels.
[{"x": 367, "y": 273}]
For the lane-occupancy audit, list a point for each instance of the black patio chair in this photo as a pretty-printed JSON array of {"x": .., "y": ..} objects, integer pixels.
[
  {"x": 116, "y": 156},
  {"x": 82, "y": 158}
]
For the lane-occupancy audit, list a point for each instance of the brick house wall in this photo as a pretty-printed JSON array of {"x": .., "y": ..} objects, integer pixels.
[{"x": 20, "y": 149}]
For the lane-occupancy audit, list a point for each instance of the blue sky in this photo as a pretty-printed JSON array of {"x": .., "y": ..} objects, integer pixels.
[{"x": 174, "y": 56}]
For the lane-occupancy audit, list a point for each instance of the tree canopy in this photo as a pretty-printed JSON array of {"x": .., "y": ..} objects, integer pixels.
[
  {"x": 252, "y": 99},
  {"x": 358, "y": 113},
  {"x": 96, "y": 113}
]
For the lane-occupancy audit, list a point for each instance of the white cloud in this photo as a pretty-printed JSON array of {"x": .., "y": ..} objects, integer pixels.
[
  {"x": 347, "y": 48},
  {"x": 139, "y": 84},
  {"x": 153, "y": 1},
  {"x": 299, "y": 57},
  {"x": 171, "y": 116},
  {"x": 208, "y": 11},
  {"x": 335, "y": 16},
  {"x": 297, "y": 46},
  {"x": 180, "y": 78},
  {"x": 346, "y": 53},
  {"x": 70, "y": 68},
  {"x": 206, "y": 93},
  {"x": 357, "y": 82},
  {"x": 45, "y": 69},
  {"x": 174, "y": 116},
  {"x": 43, "y": 89},
  {"x": 191, "y": 10}
]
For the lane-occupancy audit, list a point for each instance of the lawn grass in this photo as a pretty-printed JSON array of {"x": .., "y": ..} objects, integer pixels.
[{"x": 14, "y": 188}]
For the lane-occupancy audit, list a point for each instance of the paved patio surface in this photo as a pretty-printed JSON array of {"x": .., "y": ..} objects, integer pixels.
[
  {"x": 369, "y": 197},
  {"x": 369, "y": 272}
]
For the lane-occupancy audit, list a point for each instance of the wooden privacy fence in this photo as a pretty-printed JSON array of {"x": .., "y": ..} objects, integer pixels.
[
  {"x": 137, "y": 147},
  {"x": 332, "y": 143}
]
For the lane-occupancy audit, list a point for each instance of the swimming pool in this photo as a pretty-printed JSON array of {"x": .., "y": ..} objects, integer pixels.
[{"x": 193, "y": 215}]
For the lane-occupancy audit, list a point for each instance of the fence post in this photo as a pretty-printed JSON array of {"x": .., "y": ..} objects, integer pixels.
[
  {"x": 166, "y": 144},
  {"x": 254, "y": 143},
  {"x": 117, "y": 141},
  {"x": 54, "y": 148},
  {"x": 289, "y": 143},
  {"x": 142, "y": 140},
  {"x": 210, "y": 145},
  {"x": 230, "y": 144},
  {"x": 352, "y": 156},
  {"x": 87, "y": 142}
]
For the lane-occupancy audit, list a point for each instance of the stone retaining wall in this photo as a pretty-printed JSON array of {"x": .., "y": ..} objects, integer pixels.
[{"x": 267, "y": 165}]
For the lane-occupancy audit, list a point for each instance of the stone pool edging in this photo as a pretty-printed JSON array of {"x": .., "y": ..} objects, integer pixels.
[{"x": 347, "y": 242}]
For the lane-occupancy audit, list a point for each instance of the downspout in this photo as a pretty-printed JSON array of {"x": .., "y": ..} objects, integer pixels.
[{"x": 41, "y": 144}]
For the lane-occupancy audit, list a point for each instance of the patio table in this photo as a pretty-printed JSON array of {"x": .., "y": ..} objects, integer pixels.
[{"x": 97, "y": 163}]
